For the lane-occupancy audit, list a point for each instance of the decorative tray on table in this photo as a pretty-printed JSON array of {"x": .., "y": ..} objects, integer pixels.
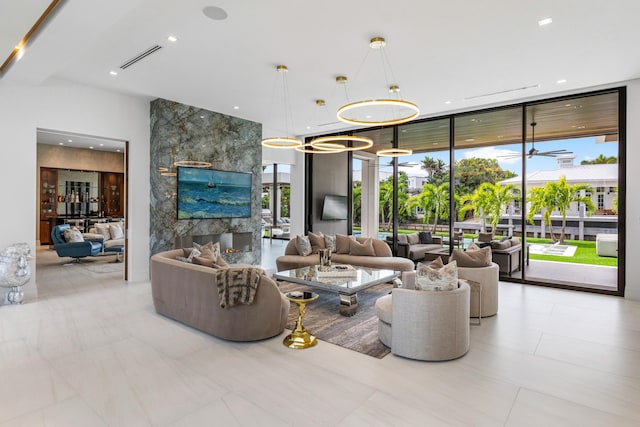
[{"x": 338, "y": 270}]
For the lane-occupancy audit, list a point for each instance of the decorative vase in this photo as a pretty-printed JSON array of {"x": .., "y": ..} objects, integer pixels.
[{"x": 325, "y": 256}]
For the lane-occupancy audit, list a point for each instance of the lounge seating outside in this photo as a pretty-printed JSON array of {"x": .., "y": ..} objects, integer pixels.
[
  {"x": 410, "y": 246},
  {"x": 380, "y": 258}
]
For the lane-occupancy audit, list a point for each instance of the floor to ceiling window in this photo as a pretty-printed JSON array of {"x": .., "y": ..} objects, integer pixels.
[{"x": 546, "y": 172}]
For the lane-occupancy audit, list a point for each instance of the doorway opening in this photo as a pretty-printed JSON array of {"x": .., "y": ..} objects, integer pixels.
[{"x": 82, "y": 202}]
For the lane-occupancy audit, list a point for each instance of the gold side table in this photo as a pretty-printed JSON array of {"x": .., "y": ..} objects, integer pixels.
[{"x": 299, "y": 337}]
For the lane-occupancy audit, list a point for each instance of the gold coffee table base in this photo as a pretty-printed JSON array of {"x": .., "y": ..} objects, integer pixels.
[{"x": 299, "y": 338}]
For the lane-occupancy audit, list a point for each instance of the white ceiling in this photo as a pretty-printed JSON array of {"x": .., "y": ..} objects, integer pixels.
[
  {"x": 74, "y": 140},
  {"x": 440, "y": 51}
]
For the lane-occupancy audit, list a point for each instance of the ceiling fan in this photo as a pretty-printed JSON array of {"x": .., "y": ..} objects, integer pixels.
[{"x": 533, "y": 151}]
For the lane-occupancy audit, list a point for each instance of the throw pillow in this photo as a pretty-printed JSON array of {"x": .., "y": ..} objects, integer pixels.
[
  {"x": 437, "y": 279},
  {"x": 515, "y": 241},
  {"x": 485, "y": 237},
  {"x": 303, "y": 246},
  {"x": 402, "y": 239},
  {"x": 210, "y": 250},
  {"x": 115, "y": 229},
  {"x": 425, "y": 237},
  {"x": 503, "y": 238},
  {"x": 343, "y": 243},
  {"x": 317, "y": 241},
  {"x": 413, "y": 239},
  {"x": 103, "y": 228},
  {"x": 330, "y": 242},
  {"x": 72, "y": 235},
  {"x": 362, "y": 249},
  {"x": 183, "y": 259},
  {"x": 473, "y": 259},
  {"x": 473, "y": 247},
  {"x": 192, "y": 254},
  {"x": 221, "y": 263}
]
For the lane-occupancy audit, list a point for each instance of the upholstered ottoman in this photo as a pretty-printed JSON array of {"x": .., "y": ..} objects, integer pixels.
[{"x": 488, "y": 279}]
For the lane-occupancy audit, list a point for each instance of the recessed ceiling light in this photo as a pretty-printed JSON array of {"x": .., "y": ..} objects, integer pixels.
[
  {"x": 60, "y": 143},
  {"x": 308, "y": 127},
  {"x": 69, "y": 140},
  {"x": 447, "y": 102},
  {"x": 118, "y": 150},
  {"x": 215, "y": 13},
  {"x": 469, "y": 140},
  {"x": 561, "y": 81},
  {"x": 91, "y": 148},
  {"x": 545, "y": 21},
  {"x": 172, "y": 39},
  {"x": 368, "y": 116},
  {"x": 202, "y": 117},
  {"x": 113, "y": 73},
  {"x": 101, "y": 145},
  {"x": 235, "y": 107}
]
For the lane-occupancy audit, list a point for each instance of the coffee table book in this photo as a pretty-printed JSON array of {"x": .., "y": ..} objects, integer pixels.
[{"x": 336, "y": 271}]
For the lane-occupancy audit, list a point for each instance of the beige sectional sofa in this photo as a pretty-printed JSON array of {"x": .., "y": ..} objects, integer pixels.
[
  {"x": 409, "y": 246},
  {"x": 383, "y": 258},
  {"x": 188, "y": 293}
]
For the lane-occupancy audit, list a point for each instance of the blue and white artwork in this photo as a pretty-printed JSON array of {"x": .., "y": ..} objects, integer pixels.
[{"x": 209, "y": 193}]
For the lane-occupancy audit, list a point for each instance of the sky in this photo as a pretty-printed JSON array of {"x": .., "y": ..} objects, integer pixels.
[{"x": 582, "y": 148}]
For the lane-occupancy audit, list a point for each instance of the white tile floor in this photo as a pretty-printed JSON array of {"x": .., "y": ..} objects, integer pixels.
[{"x": 92, "y": 352}]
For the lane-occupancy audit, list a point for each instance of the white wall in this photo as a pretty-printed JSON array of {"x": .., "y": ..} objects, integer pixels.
[
  {"x": 64, "y": 106},
  {"x": 632, "y": 248}
]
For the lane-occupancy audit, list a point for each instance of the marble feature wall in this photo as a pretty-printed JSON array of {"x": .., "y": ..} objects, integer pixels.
[{"x": 183, "y": 132}]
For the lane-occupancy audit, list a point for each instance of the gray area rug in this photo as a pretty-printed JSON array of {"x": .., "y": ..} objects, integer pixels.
[
  {"x": 103, "y": 266},
  {"x": 322, "y": 318}
]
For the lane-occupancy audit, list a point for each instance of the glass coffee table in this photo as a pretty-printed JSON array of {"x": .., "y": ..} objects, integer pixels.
[{"x": 347, "y": 287}]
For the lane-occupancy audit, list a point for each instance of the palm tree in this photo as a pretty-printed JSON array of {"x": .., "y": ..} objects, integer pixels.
[
  {"x": 541, "y": 200},
  {"x": 357, "y": 202},
  {"x": 386, "y": 203},
  {"x": 433, "y": 200},
  {"x": 432, "y": 166},
  {"x": 559, "y": 195},
  {"x": 489, "y": 200}
]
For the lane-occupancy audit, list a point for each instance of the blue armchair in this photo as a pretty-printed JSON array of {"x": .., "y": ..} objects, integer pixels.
[{"x": 74, "y": 250}]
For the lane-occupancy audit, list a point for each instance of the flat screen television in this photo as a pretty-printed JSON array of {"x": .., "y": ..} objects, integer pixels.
[
  {"x": 210, "y": 193},
  {"x": 335, "y": 207}
]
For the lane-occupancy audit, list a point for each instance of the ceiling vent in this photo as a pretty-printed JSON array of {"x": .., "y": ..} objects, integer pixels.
[
  {"x": 501, "y": 92},
  {"x": 140, "y": 56}
]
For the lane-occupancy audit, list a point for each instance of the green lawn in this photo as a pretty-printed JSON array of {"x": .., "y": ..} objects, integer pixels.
[{"x": 585, "y": 253}]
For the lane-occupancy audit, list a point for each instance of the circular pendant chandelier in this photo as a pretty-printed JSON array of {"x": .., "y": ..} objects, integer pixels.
[
  {"x": 394, "y": 152},
  {"x": 283, "y": 141},
  {"x": 379, "y": 112},
  {"x": 344, "y": 142}
]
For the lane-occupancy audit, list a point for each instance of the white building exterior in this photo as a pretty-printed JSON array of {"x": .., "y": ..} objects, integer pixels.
[{"x": 603, "y": 178}]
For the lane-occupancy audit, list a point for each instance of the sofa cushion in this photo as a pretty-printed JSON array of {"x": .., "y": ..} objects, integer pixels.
[
  {"x": 303, "y": 245},
  {"x": 515, "y": 241},
  {"x": 413, "y": 239},
  {"x": 402, "y": 239},
  {"x": 343, "y": 243},
  {"x": 500, "y": 246},
  {"x": 317, "y": 241},
  {"x": 73, "y": 235},
  {"x": 425, "y": 237},
  {"x": 485, "y": 237},
  {"x": 473, "y": 259},
  {"x": 362, "y": 249},
  {"x": 103, "y": 228},
  {"x": 437, "y": 279}
]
